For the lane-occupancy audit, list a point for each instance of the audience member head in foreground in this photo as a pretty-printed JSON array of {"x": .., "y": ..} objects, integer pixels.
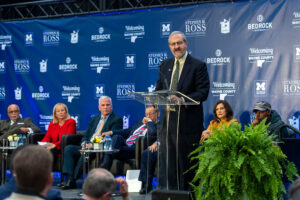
[
  {"x": 32, "y": 170},
  {"x": 100, "y": 184}
]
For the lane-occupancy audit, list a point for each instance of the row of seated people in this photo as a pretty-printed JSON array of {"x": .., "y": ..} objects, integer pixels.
[
  {"x": 109, "y": 124},
  {"x": 105, "y": 123}
]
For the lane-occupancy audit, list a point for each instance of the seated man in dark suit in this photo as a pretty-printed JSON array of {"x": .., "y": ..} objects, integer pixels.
[
  {"x": 125, "y": 139},
  {"x": 16, "y": 124},
  {"x": 73, "y": 160},
  {"x": 148, "y": 163}
]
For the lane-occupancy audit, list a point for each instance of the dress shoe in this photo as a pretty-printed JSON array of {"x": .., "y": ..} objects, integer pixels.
[
  {"x": 107, "y": 161},
  {"x": 61, "y": 184},
  {"x": 142, "y": 191},
  {"x": 70, "y": 184}
]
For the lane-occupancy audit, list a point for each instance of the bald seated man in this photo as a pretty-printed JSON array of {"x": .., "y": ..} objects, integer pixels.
[
  {"x": 15, "y": 124},
  {"x": 100, "y": 184}
]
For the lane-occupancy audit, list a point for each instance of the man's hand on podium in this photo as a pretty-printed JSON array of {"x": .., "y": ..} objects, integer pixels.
[{"x": 175, "y": 99}]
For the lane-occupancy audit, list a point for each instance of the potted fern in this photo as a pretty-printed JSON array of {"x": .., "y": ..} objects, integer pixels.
[{"x": 236, "y": 164}]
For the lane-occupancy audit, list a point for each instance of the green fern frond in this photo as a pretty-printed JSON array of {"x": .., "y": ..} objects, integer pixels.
[{"x": 233, "y": 163}]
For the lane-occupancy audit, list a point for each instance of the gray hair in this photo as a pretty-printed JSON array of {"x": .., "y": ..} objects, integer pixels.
[
  {"x": 104, "y": 97},
  {"x": 178, "y": 33},
  {"x": 13, "y": 105},
  {"x": 98, "y": 182}
]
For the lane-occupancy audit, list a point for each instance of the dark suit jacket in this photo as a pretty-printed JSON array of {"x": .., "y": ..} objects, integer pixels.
[
  {"x": 6, "y": 129},
  {"x": 193, "y": 82},
  {"x": 114, "y": 122},
  {"x": 11, "y": 186},
  {"x": 126, "y": 133}
]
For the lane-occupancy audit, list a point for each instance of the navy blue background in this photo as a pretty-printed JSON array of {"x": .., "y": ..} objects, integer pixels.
[{"x": 245, "y": 82}]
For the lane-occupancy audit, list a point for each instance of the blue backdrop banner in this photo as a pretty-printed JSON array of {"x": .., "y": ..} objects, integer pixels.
[{"x": 252, "y": 50}]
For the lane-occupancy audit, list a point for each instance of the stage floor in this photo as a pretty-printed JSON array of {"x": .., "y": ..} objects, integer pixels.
[{"x": 74, "y": 195}]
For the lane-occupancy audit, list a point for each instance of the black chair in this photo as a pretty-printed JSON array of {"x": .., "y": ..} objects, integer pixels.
[
  {"x": 120, "y": 167},
  {"x": 291, "y": 145},
  {"x": 33, "y": 138}
]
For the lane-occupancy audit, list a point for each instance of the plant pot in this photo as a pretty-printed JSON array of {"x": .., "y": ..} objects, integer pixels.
[
  {"x": 98, "y": 146},
  {"x": 13, "y": 143}
]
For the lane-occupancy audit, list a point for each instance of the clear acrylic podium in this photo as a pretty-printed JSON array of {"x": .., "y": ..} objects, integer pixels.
[{"x": 168, "y": 170}]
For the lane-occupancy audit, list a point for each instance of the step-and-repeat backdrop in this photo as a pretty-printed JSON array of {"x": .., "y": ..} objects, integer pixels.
[{"x": 252, "y": 50}]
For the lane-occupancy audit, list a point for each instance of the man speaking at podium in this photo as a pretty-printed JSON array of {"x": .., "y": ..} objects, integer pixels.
[{"x": 188, "y": 75}]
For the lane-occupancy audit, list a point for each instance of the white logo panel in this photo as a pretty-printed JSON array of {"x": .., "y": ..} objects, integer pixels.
[
  {"x": 5, "y": 41},
  {"x": 2, "y": 93},
  {"x": 68, "y": 67},
  {"x": 45, "y": 121},
  {"x": 74, "y": 37},
  {"x": 126, "y": 121},
  {"x": 165, "y": 29},
  {"x": 296, "y": 19},
  {"x": 28, "y": 38},
  {"x": 123, "y": 89},
  {"x": 225, "y": 26},
  {"x": 41, "y": 95},
  {"x": 43, "y": 66},
  {"x": 223, "y": 89},
  {"x": 18, "y": 93},
  {"x": 195, "y": 27},
  {"x": 260, "y": 56},
  {"x": 260, "y": 88},
  {"x": 219, "y": 59},
  {"x": 130, "y": 61},
  {"x": 291, "y": 87},
  {"x": 70, "y": 93},
  {"x": 99, "y": 63},
  {"x": 2, "y": 67},
  {"x": 99, "y": 90},
  {"x": 133, "y": 33},
  {"x": 101, "y": 37},
  {"x": 260, "y": 25},
  {"x": 155, "y": 58},
  {"x": 22, "y": 66},
  {"x": 51, "y": 38}
]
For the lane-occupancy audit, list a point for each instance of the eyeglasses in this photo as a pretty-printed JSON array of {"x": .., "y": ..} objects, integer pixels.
[
  {"x": 174, "y": 43},
  {"x": 150, "y": 114},
  {"x": 13, "y": 111}
]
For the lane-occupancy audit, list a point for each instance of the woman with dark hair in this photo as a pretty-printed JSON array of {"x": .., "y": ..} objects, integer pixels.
[{"x": 223, "y": 116}]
